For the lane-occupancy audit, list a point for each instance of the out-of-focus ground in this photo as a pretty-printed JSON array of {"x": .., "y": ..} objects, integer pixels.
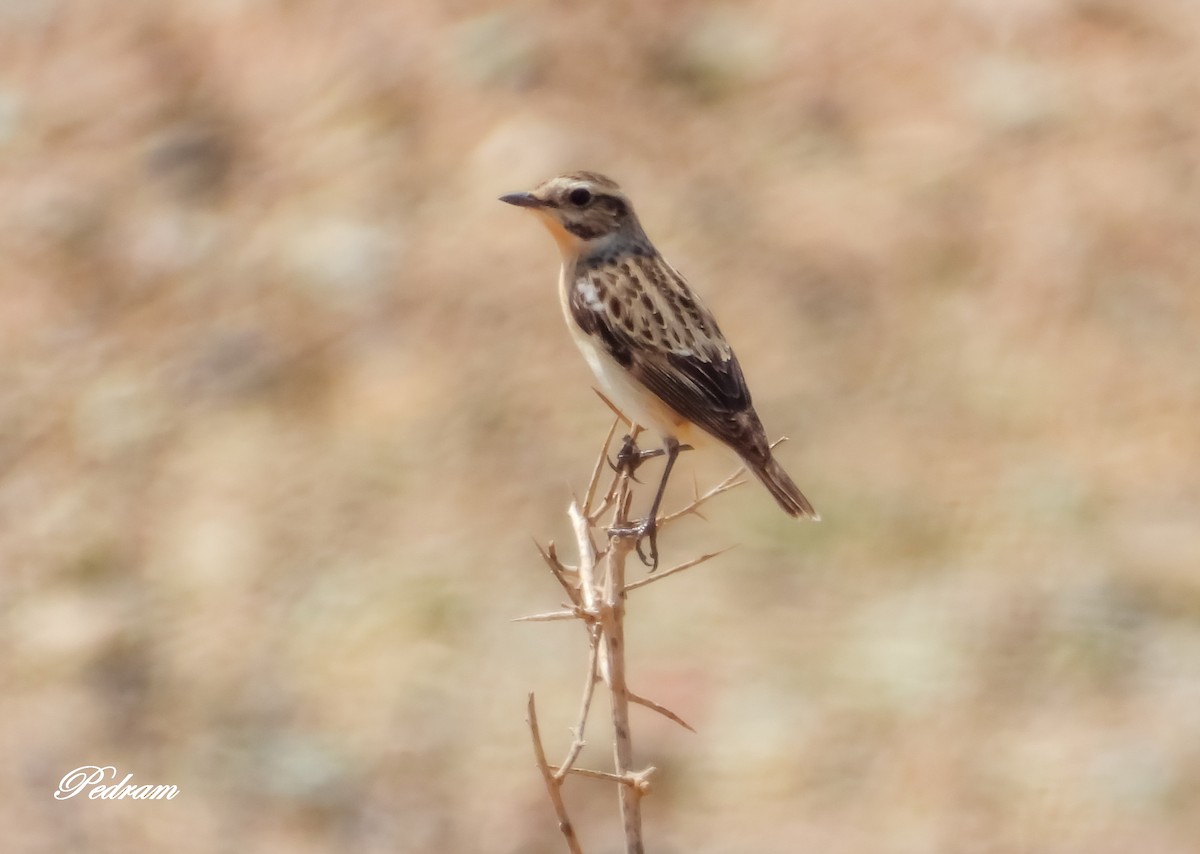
[{"x": 285, "y": 393}]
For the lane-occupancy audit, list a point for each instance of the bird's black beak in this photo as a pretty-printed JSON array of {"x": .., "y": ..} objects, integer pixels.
[{"x": 523, "y": 200}]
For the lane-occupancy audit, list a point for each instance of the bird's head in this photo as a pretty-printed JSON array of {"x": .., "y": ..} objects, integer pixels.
[{"x": 581, "y": 210}]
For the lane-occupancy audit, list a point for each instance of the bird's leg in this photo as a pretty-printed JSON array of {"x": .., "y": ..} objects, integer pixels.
[{"x": 648, "y": 527}]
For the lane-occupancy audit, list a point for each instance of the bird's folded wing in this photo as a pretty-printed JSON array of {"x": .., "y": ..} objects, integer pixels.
[
  {"x": 700, "y": 379},
  {"x": 711, "y": 394}
]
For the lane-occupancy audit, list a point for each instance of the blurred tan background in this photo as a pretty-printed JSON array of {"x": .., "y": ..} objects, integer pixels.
[{"x": 286, "y": 393}]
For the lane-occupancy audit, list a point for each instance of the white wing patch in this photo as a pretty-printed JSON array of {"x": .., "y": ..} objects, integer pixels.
[{"x": 590, "y": 293}]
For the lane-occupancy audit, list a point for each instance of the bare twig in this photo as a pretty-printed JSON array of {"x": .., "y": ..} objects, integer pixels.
[
  {"x": 552, "y": 616},
  {"x": 553, "y": 783},
  {"x": 732, "y": 482},
  {"x": 661, "y": 709},
  {"x": 585, "y": 706},
  {"x": 639, "y": 780},
  {"x": 601, "y": 461},
  {"x": 667, "y": 573},
  {"x": 598, "y": 591},
  {"x": 621, "y": 416},
  {"x": 587, "y": 556},
  {"x": 557, "y": 569},
  {"x": 612, "y": 621}
]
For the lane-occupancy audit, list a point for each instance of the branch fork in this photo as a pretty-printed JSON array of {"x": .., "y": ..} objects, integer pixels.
[{"x": 597, "y": 590}]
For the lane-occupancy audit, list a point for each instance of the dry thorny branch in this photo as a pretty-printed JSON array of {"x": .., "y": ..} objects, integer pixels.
[{"x": 596, "y": 590}]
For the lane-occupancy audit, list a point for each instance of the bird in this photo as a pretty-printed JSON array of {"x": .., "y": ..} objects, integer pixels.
[{"x": 655, "y": 348}]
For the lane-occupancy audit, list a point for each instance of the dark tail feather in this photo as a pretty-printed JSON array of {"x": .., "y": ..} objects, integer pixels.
[{"x": 789, "y": 496}]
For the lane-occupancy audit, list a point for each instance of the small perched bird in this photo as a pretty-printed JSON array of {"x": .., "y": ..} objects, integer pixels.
[{"x": 656, "y": 350}]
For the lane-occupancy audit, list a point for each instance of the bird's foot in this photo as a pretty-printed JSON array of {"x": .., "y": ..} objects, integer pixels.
[
  {"x": 645, "y": 529},
  {"x": 630, "y": 456}
]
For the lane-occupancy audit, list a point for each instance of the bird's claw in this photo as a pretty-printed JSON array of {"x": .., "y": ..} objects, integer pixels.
[
  {"x": 645, "y": 530},
  {"x": 630, "y": 457},
  {"x": 622, "y": 465}
]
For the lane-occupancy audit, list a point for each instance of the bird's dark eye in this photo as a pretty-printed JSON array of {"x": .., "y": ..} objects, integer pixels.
[{"x": 579, "y": 197}]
